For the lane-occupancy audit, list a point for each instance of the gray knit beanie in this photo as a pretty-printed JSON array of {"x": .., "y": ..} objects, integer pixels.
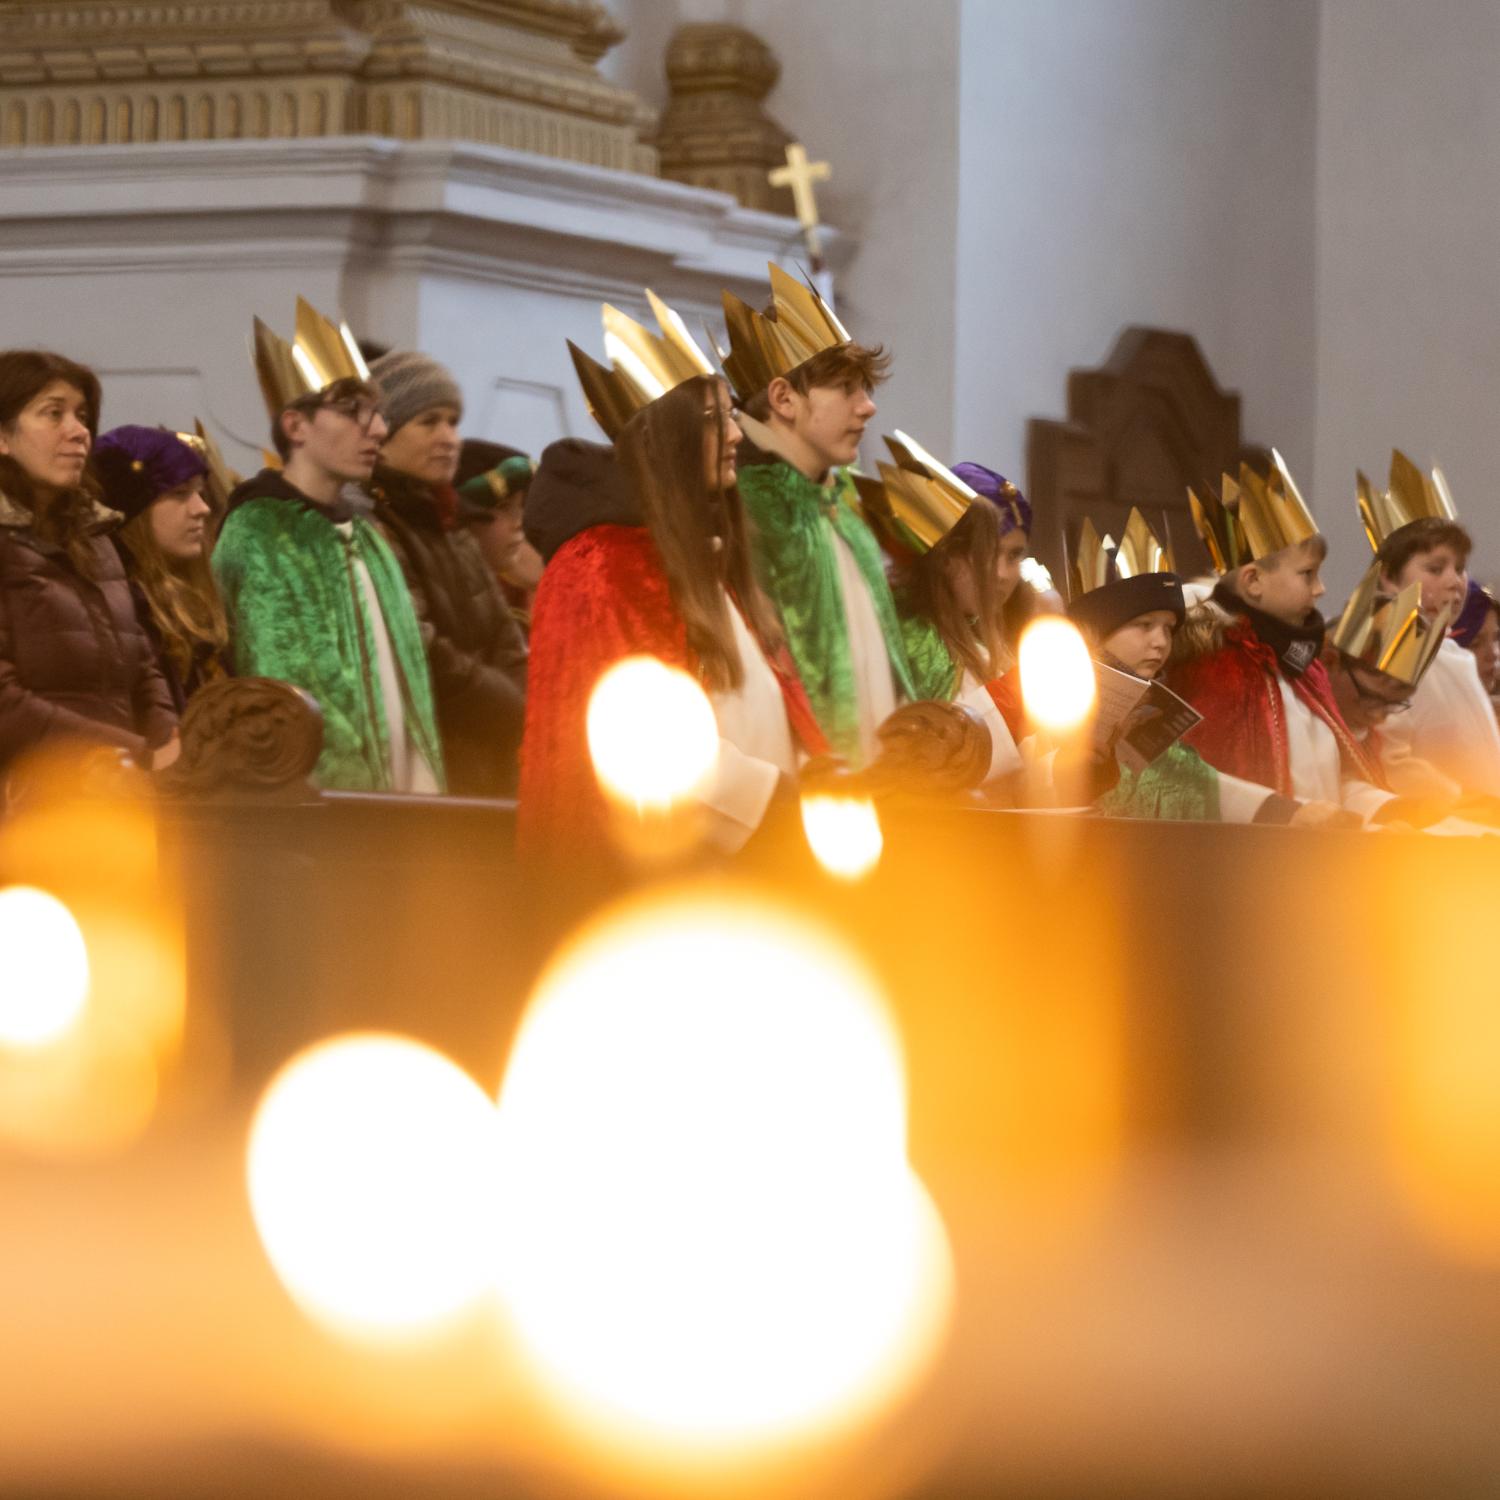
[{"x": 411, "y": 383}]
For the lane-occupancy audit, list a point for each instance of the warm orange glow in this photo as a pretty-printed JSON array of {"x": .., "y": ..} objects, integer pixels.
[
  {"x": 44, "y": 981},
  {"x": 90, "y": 1077},
  {"x": 1057, "y": 675},
  {"x": 652, "y": 734},
  {"x": 714, "y": 1241},
  {"x": 844, "y": 834},
  {"x": 370, "y": 1170}
]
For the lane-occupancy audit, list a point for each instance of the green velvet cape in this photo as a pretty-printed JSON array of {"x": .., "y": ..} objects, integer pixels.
[
  {"x": 297, "y": 613},
  {"x": 796, "y": 522},
  {"x": 1179, "y": 783}
]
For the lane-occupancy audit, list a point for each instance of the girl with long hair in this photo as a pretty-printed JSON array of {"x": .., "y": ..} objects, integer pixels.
[
  {"x": 648, "y": 553},
  {"x": 955, "y": 566},
  {"x": 74, "y": 660},
  {"x": 156, "y": 481}
]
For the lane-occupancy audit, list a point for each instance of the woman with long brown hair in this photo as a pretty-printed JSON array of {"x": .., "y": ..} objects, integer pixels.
[
  {"x": 156, "y": 481},
  {"x": 74, "y": 661},
  {"x": 648, "y": 554}
]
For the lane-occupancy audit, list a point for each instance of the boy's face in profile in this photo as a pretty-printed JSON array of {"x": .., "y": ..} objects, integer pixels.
[
  {"x": 1287, "y": 585},
  {"x": 1443, "y": 575}
]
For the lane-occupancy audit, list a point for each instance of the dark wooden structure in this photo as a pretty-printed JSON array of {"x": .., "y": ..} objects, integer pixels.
[{"x": 1148, "y": 423}]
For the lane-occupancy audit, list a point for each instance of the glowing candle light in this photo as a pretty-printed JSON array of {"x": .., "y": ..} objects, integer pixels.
[
  {"x": 652, "y": 734},
  {"x": 843, "y": 833},
  {"x": 715, "y": 1242},
  {"x": 1057, "y": 675},
  {"x": 370, "y": 1171},
  {"x": 45, "y": 984}
]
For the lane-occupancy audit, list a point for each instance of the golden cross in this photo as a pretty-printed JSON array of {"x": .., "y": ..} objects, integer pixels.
[{"x": 799, "y": 174}]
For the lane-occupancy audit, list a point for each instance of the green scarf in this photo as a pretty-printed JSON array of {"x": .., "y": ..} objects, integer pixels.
[
  {"x": 1179, "y": 784},
  {"x": 297, "y": 613},
  {"x": 796, "y": 521}
]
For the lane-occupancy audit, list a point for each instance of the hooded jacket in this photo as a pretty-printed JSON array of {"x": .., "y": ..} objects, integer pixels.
[{"x": 475, "y": 648}]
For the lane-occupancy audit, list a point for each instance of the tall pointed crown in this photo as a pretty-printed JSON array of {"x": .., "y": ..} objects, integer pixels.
[
  {"x": 1389, "y": 634},
  {"x": 917, "y": 500},
  {"x": 320, "y": 354},
  {"x": 221, "y": 479},
  {"x": 1252, "y": 518},
  {"x": 1412, "y": 496},
  {"x": 765, "y": 345},
  {"x": 642, "y": 365},
  {"x": 1099, "y": 560}
]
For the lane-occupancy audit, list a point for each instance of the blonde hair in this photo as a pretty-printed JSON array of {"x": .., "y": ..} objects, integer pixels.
[{"x": 183, "y": 598}]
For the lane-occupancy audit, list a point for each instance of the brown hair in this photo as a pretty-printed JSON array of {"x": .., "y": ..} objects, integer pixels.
[
  {"x": 350, "y": 388},
  {"x": 1422, "y": 535},
  {"x": 183, "y": 598},
  {"x": 844, "y": 362},
  {"x": 979, "y": 644},
  {"x": 701, "y": 533},
  {"x": 62, "y": 517}
]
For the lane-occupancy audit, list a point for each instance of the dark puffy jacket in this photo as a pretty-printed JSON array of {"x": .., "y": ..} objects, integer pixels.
[
  {"x": 475, "y": 648},
  {"x": 74, "y": 661}
]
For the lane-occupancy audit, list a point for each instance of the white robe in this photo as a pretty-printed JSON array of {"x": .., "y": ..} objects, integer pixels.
[
  {"x": 1448, "y": 739},
  {"x": 756, "y": 745},
  {"x": 1315, "y": 763},
  {"x": 1005, "y": 758},
  {"x": 409, "y": 769}
]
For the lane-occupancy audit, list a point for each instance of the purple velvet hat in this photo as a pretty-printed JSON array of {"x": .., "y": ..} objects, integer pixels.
[
  {"x": 1477, "y": 603},
  {"x": 1015, "y": 511},
  {"x": 137, "y": 465}
]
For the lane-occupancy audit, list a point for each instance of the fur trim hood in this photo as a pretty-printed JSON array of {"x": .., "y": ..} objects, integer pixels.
[{"x": 1202, "y": 631}]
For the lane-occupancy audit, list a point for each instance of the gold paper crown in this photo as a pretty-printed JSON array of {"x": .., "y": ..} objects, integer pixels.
[
  {"x": 917, "y": 501},
  {"x": 763, "y": 346},
  {"x": 1254, "y": 518},
  {"x": 1389, "y": 634},
  {"x": 320, "y": 354},
  {"x": 220, "y": 479},
  {"x": 1411, "y": 497},
  {"x": 642, "y": 365},
  {"x": 1101, "y": 560}
]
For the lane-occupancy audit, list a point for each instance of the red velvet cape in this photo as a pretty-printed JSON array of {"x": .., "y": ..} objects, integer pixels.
[
  {"x": 603, "y": 596},
  {"x": 1244, "y": 720}
]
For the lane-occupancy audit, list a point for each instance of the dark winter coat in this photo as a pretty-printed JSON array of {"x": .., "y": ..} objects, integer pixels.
[
  {"x": 74, "y": 661},
  {"x": 475, "y": 648}
]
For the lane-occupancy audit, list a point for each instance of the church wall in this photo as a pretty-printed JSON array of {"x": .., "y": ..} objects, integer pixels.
[
  {"x": 1134, "y": 161},
  {"x": 870, "y": 86},
  {"x": 1409, "y": 256}
]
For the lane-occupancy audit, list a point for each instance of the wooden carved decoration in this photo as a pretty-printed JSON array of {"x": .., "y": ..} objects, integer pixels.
[
  {"x": 1150, "y": 422},
  {"x": 713, "y": 132},
  {"x": 247, "y": 736}
]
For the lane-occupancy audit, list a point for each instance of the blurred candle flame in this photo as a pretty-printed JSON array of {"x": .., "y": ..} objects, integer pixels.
[
  {"x": 843, "y": 833},
  {"x": 370, "y": 1174},
  {"x": 652, "y": 734},
  {"x": 1057, "y": 675},
  {"x": 45, "y": 985},
  {"x": 716, "y": 1244}
]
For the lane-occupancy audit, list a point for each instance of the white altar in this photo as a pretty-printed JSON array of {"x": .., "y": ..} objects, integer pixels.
[{"x": 149, "y": 264}]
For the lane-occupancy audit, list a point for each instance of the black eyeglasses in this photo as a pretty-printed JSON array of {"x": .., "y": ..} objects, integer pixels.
[
  {"x": 361, "y": 413},
  {"x": 1374, "y": 700}
]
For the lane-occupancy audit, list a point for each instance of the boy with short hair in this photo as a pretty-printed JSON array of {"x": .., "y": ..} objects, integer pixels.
[
  {"x": 1248, "y": 657},
  {"x": 313, "y": 593},
  {"x": 804, "y": 389},
  {"x": 1449, "y": 738}
]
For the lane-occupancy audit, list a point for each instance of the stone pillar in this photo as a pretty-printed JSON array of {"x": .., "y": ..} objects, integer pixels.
[
  {"x": 714, "y": 132},
  {"x": 515, "y": 73}
]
